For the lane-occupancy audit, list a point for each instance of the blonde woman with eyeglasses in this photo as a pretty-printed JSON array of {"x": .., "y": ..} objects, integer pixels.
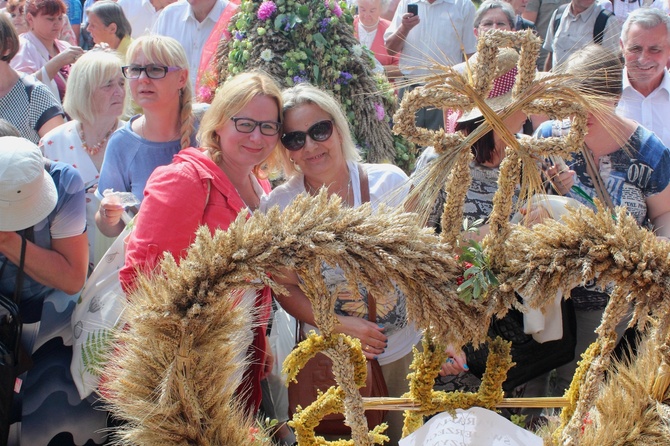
[
  {"x": 209, "y": 186},
  {"x": 157, "y": 73}
]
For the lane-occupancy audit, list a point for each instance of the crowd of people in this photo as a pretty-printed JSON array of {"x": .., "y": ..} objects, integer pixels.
[{"x": 97, "y": 99}]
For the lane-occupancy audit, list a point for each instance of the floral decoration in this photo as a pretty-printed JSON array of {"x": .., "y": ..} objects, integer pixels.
[{"x": 313, "y": 41}]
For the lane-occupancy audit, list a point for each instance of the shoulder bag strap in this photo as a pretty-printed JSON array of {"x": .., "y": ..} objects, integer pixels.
[
  {"x": 598, "y": 183},
  {"x": 365, "y": 184},
  {"x": 27, "y": 234}
]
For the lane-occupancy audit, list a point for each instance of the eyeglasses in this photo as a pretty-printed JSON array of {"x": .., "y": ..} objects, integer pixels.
[
  {"x": 153, "y": 71},
  {"x": 319, "y": 132},
  {"x": 246, "y": 125}
]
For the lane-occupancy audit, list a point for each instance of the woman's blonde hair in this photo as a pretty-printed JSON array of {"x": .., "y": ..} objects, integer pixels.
[
  {"x": 305, "y": 93},
  {"x": 92, "y": 70},
  {"x": 232, "y": 97},
  {"x": 163, "y": 50}
]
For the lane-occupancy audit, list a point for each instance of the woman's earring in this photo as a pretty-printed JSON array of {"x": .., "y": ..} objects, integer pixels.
[{"x": 291, "y": 160}]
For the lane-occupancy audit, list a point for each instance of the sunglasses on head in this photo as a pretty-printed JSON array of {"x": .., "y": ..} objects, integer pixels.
[{"x": 319, "y": 132}]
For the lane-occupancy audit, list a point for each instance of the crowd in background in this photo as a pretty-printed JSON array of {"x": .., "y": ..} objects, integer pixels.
[{"x": 104, "y": 91}]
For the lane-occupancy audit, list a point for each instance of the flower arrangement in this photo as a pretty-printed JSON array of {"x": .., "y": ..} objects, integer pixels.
[
  {"x": 314, "y": 42},
  {"x": 478, "y": 277}
]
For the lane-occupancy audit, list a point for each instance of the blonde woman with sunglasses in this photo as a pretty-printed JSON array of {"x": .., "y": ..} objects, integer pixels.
[{"x": 318, "y": 152}]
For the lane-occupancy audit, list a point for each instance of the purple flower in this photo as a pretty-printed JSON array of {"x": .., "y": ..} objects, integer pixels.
[
  {"x": 323, "y": 25},
  {"x": 344, "y": 78},
  {"x": 266, "y": 10},
  {"x": 379, "y": 108},
  {"x": 301, "y": 77},
  {"x": 239, "y": 35},
  {"x": 336, "y": 7}
]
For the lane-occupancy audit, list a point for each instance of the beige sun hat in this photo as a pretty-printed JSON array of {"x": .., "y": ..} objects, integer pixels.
[
  {"x": 27, "y": 191},
  {"x": 500, "y": 95}
]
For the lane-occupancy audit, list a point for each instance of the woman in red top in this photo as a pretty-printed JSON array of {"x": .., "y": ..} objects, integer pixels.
[
  {"x": 369, "y": 29},
  {"x": 210, "y": 186}
]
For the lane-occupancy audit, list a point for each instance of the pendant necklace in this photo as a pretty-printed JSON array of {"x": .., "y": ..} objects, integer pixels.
[{"x": 95, "y": 149}]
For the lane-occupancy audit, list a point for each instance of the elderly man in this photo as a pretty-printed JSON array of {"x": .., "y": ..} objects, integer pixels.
[
  {"x": 645, "y": 42},
  {"x": 434, "y": 35},
  {"x": 576, "y": 25},
  {"x": 190, "y": 22}
]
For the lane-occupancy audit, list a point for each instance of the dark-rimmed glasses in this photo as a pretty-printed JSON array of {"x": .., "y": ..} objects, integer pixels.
[
  {"x": 248, "y": 125},
  {"x": 319, "y": 132},
  {"x": 153, "y": 71}
]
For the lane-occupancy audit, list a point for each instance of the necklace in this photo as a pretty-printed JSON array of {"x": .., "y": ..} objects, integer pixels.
[
  {"x": 95, "y": 149},
  {"x": 315, "y": 191}
]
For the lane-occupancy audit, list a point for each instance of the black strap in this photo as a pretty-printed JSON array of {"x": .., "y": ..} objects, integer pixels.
[
  {"x": 27, "y": 234},
  {"x": 598, "y": 27}
]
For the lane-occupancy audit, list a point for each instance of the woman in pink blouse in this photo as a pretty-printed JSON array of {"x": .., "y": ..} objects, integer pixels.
[{"x": 41, "y": 53}]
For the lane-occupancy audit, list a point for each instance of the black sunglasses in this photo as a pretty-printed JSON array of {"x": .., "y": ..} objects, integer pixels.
[{"x": 319, "y": 132}]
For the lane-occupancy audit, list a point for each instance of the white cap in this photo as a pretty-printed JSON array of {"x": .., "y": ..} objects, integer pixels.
[{"x": 27, "y": 191}]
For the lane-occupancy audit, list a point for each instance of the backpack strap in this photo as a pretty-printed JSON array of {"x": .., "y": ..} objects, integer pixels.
[
  {"x": 557, "y": 17},
  {"x": 599, "y": 27}
]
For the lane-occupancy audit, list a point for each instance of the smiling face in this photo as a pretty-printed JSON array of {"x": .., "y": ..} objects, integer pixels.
[
  {"x": 318, "y": 161},
  {"x": 156, "y": 93},
  {"x": 108, "y": 98},
  {"x": 647, "y": 52},
  {"x": 494, "y": 18},
  {"x": 246, "y": 150}
]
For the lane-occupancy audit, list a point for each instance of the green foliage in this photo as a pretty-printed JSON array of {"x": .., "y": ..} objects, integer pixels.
[
  {"x": 312, "y": 41},
  {"x": 478, "y": 277},
  {"x": 94, "y": 350}
]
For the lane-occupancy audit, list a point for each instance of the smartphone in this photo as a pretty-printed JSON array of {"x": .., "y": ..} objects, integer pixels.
[{"x": 413, "y": 8}]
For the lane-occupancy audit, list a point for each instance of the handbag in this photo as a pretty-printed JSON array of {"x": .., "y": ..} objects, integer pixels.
[
  {"x": 532, "y": 358},
  {"x": 13, "y": 361},
  {"x": 97, "y": 313},
  {"x": 316, "y": 376}
]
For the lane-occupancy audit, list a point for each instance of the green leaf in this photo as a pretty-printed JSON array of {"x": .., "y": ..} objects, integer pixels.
[
  {"x": 471, "y": 271},
  {"x": 465, "y": 284},
  {"x": 303, "y": 12},
  {"x": 279, "y": 22},
  {"x": 317, "y": 74},
  {"x": 476, "y": 289},
  {"x": 319, "y": 40}
]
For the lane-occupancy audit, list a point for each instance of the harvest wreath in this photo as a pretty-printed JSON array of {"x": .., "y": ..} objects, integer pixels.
[{"x": 180, "y": 357}]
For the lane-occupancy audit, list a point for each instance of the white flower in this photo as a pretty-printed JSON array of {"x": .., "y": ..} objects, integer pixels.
[
  {"x": 267, "y": 55},
  {"x": 357, "y": 50}
]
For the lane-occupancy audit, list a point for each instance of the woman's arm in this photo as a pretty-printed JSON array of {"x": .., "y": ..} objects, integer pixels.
[
  {"x": 63, "y": 267},
  {"x": 298, "y": 305},
  {"x": 172, "y": 210},
  {"x": 50, "y": 125},
  {"x": 658, "y": 211}
]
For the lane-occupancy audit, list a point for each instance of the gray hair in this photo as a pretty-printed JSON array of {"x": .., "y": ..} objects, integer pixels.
[
  {"x": 645, "y": 18},
  {"x": 495, "y": 4},
  {"x": 110, "y": 12},
  {"x": 305, "y": 93}
]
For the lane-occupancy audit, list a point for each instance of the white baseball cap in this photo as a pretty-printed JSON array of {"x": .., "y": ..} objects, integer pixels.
[{"x": 27, "y": 191}]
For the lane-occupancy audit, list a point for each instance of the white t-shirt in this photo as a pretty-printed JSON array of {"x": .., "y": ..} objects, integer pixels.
[
  {"x": 650, "y": 111},
  {"x": 444, "y": 26},
  {"x": 177, "y": 21},
  {"x": 141, "y": 14}
]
